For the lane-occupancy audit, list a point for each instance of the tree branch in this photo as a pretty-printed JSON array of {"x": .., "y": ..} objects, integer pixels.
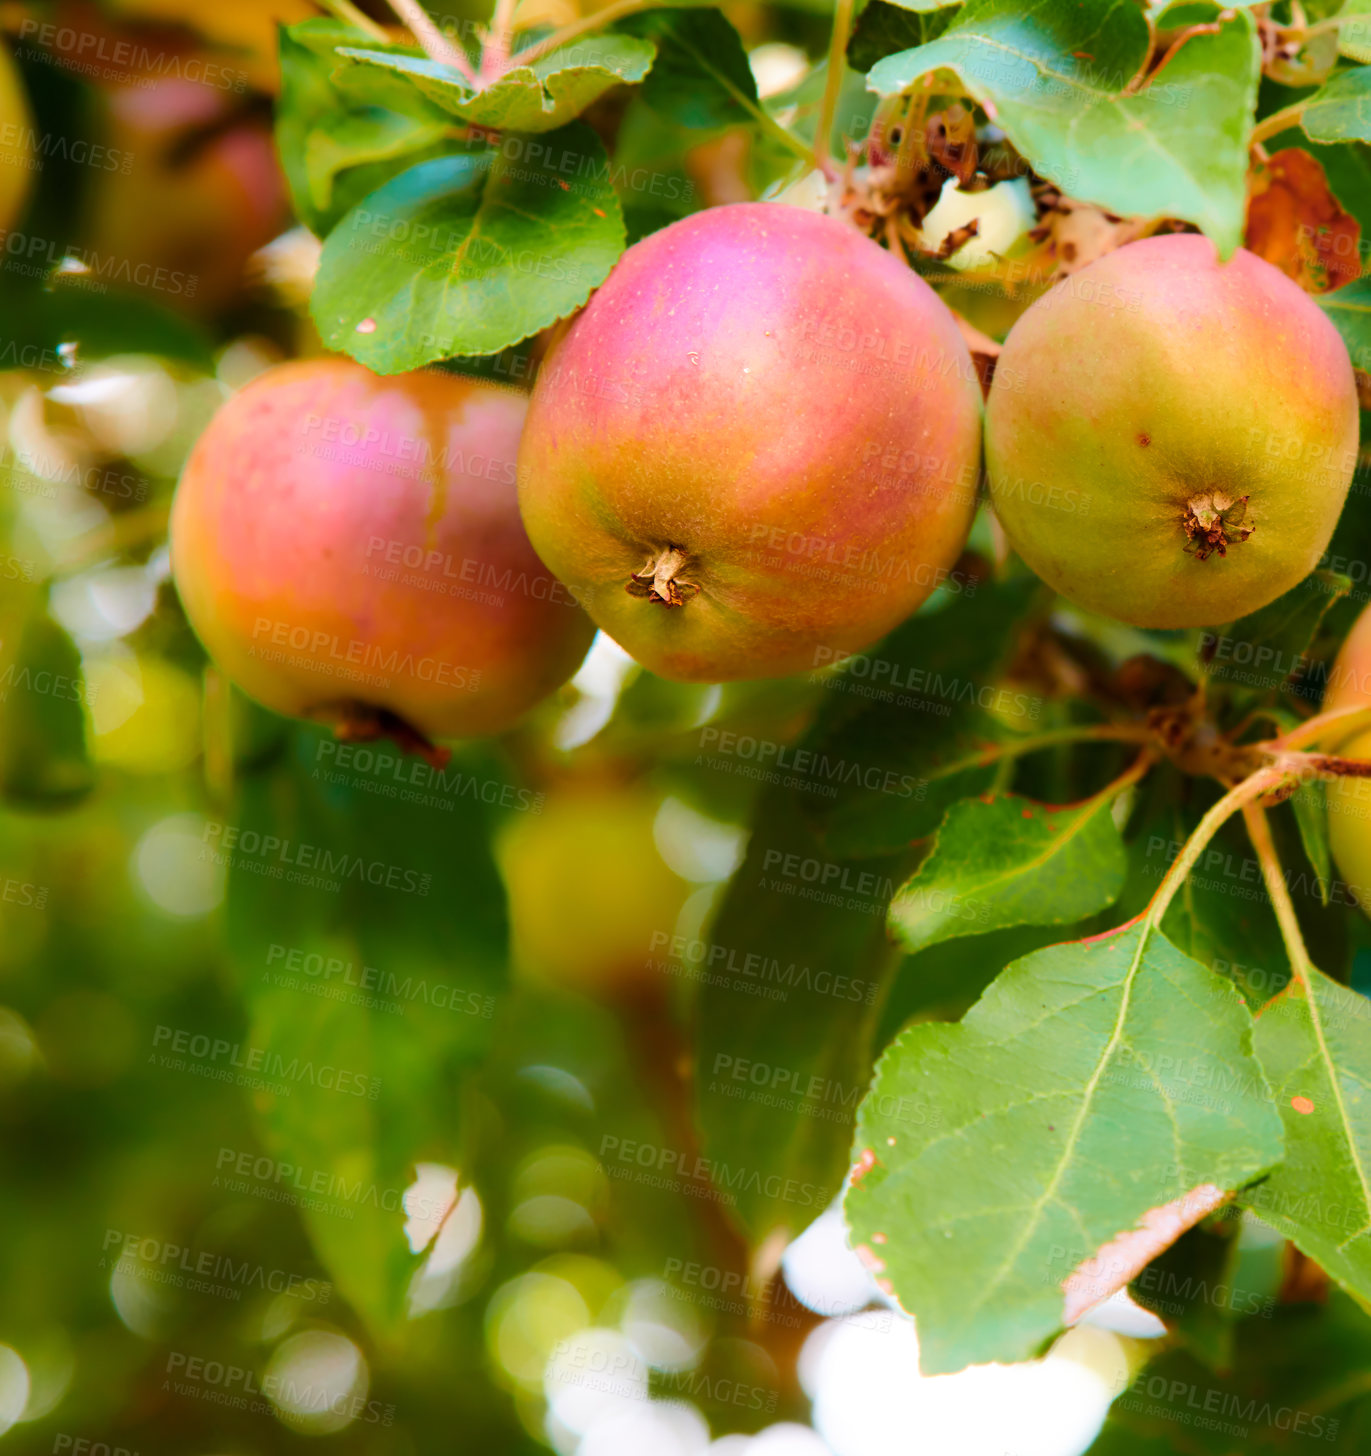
[
  {"x": 1252, "y": 787},
  {"x": 1259, "y": 831},
  {"x": 833, "y": 83},
  {"x": 346, "y": 11}
]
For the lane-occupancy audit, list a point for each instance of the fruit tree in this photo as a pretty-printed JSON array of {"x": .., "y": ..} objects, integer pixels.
[{"x": 685, "y": 727}]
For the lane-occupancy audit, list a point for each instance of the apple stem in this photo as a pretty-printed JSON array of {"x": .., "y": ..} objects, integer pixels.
[
  {"x": 658, "y": 580},
  {"x": 345, "y": 10},
  {"x": 354, "y": 722},
  {"x": 833, "y": 81},
  {"x": 577, "y": 28},
  {"x": 495, "y": 50}
]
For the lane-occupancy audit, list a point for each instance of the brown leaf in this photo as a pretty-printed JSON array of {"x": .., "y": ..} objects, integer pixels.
[
  {"x": 1295, "y": 222},
  {"x": 1127, "y": 1254},
  {"x": 984, "y": 351},
  {"x": 1300, "y": 61},
  {"x": 1080, "y": 233},
  {"x": 1302, "y": 1280},
  {"x": 951, "y": 137},
  {"x": 958, "y": 238}
]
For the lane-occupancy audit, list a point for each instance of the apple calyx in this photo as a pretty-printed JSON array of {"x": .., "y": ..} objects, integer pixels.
[
  {"x": 1214, "y": 522},
  {"x": 660, "y": 579}
]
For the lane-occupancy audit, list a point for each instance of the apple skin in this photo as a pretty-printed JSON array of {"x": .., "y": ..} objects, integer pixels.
[
  {"x": 323, "y": 563},
  {"x": 17, "y": 155},
  {"x": 1152, "y": 378},
  {"x": 200, "y": 190},
  {"x": 1349, "y": 798},
  {"x": 589, "y": 894},
  {"x": 777, "y": 396},
  {"x": 1349, "y": 823}
]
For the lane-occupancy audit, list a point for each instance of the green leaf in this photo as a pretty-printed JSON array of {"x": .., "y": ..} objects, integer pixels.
[
  {"x": 1054, "y": 77},
  {"x": 339, "y": 143},
  {"x": 1221, "y": 916},
  {"x": 1349, "y": 307},
  {"x": 1354, "y": 40},
  {"x": 537, "y": 98},
  {"x": 900, "y": 758},
  {"x": 1191, "y": 1287},
  {"x": 43, "y": 753},
  {"x": 369, "y": 937},
  {"x": 1182, "y": 14},
  {"x": 1074, "y": 1098},
  {"x": 1296, "y": 1382},
  {"x": 650, "y": 171},
  {"x": 792, "y": 984},
  {"x": 1340, "y": 110},
  {"x": 701, "y": 78},
  {"x": 470, "y": 253},
  {"x": 1011, "y": 861},
  {"x": 884, "y": 28},
  {"x": 61, "y": 321},
  {"x": 1315, "y": 1049},
  {"x": 1260, "y": 652},
  {"x": 1311, "y": 815}
]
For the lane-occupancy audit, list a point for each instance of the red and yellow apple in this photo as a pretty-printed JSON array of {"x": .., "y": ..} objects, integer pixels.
[
  {"x": 758, "y": 442},
  {"x": 1170, "y": 438},
  {"x": 347, "y": 544}
]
